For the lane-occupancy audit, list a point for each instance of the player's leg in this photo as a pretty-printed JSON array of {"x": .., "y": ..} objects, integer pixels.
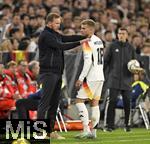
[
  {"x": 95, "y": 116},
  {"x": 126, "y": 101},
  {"x": 83, "y": 113},
  {"x": 96, "y": 87},
  {"x": 49, "y": 84},
  {"x": 110, "y": 113},
  {"x": 53, "y": 105}
]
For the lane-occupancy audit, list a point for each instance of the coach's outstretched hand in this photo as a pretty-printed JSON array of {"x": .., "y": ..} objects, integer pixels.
[{"x": 84, "y": 40}]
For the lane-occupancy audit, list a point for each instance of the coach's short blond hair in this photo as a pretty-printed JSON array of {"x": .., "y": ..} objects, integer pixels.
[{"x": 88, "y": 22}]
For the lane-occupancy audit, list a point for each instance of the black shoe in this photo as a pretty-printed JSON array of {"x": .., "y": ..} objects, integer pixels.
[
  {"x": 107, "y": 129},
  {"x": 127, "y": 129}
]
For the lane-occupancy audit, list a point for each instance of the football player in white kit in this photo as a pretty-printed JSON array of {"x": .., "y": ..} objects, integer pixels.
[{"x": 91, "y": 79}]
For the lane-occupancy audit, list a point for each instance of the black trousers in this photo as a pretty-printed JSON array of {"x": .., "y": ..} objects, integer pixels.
[
  {"x": 24, "y": 105},
  {"x": 51, "y": 91},
  {"x": 110, "y": 119}
]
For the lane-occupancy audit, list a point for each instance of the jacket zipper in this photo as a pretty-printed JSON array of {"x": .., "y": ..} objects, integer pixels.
[
  {"x": 122, "y": 64},
  {"x": 121, "y": 55}
]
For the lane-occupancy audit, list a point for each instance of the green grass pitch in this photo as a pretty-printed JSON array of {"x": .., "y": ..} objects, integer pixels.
[{"x": 136, "y": 136}]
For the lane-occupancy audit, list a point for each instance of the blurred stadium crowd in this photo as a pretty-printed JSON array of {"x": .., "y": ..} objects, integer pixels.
[{"x": 21, "y": 22}]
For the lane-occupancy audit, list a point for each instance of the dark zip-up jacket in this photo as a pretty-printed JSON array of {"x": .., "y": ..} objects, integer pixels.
[
  {"x": 51, "y": 46},
  {"x": 116, "y": 58}
]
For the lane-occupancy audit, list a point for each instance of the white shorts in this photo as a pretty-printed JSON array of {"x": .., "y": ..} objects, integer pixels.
[{"x": 93, "y": 92}]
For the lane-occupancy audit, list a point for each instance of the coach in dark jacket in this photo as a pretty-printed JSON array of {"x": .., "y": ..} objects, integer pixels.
[
  {"x": 51, "y": 57},
  {"x": 119, "y": 78},
  {"x": 51, "y": 46}
]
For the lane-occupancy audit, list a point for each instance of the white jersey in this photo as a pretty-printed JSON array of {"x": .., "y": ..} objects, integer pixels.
[{"x": 93, "y": 60}]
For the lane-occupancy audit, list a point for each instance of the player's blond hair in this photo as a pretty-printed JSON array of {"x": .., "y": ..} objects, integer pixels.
[{"x": 88, "y": 22}]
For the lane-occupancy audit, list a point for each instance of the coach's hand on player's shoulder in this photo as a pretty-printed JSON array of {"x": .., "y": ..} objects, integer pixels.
[
  {"x": 78, "y": 84},
  {"x": 84, "y": 40}
]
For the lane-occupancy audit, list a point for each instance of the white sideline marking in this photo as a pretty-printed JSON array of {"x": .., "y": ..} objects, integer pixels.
[
  {"x": 112, "y": 141},
  {"x": 128, "y": 136}
]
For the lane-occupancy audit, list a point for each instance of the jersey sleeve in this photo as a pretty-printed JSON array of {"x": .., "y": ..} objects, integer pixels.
[{"x": 87, "y": 54}]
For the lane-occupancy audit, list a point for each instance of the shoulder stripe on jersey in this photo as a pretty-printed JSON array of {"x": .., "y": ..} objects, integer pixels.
[{"x": 86, "y": 47}]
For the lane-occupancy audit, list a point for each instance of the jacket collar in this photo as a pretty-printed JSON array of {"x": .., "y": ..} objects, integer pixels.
[
  {"x": 49, "y": 29},
  {"x": 122, "y": 43}
]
